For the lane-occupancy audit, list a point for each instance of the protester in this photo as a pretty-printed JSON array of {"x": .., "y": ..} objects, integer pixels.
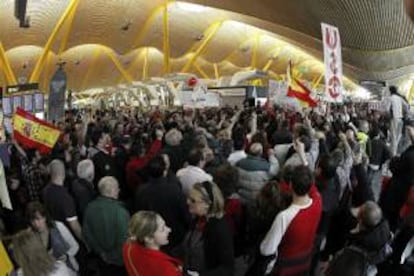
[
  {"x": 170, "y": 204},
  {"x": 194, "y": 172},
  {"x": 342, "y": 150},
  {"x": 105, "y": 227},
  {"x": 33, "y": 259},
  {"x": 292, "y": 234},
  {"x": 82, "y": 187},
  {"x": 54, "y": 235},
  {"x": 398, "y": 108},
  {"x": 142, "y": 255},
  {"x": 58, "y": 201},
  {"x": 209, "y": 245}
]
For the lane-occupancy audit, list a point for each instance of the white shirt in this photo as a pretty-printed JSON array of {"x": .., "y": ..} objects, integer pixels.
[
  {"x": 311, "y": 157},
  {"x": 71, "y": 242},
  {"x": 62, "y": 270},
  {"x": 236, "y": 157},
  {"x": 281, "y": 152},
  {"x": 397, "y": 104},
  {"x": 190, "y": 175},
  {"x": 272, "y": 240}
]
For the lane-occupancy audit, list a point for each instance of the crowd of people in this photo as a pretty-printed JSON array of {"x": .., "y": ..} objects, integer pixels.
[{"x": 223, "y": 191}]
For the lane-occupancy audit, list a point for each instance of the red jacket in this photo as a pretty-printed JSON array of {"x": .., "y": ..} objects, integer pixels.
[
  {"x": 139, "y": 162},
  {"x": 233, "y": 214},
  {"x": 142, "y": 261}
]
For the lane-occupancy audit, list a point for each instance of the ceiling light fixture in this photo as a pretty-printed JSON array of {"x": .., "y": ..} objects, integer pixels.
[
  {"x": 188, "y": 7},
  {"x": 199, "y": 37},
  {"x": 244, "y": 49},
  {"x": 126, "y": 26},
  {"x": 61, "y": 63}
]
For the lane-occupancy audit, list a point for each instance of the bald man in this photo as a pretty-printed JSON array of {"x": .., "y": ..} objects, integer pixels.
[
  {"x": 105, "y": 226},
  {"x": 57, "y": 199},
  {"x": 254, "y": 172}
]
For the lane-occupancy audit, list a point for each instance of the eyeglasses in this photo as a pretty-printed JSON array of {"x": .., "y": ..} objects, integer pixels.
[{"x": 194, "y": 201}]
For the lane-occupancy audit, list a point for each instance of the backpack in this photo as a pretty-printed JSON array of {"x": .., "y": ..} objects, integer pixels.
[
  {"x": 351, "y": 260},
  {"x": 354, "y": 260}
]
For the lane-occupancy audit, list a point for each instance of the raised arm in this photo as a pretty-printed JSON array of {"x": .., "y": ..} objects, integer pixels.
[
  {"x": 155, "y": 146},
  {"x": 20, "y": 150},
  {"x": 233, "y": 121},
  {"x": 254, "y": 126}
]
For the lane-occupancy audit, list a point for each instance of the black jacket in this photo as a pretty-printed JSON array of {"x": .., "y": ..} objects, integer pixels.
[
  {"x": 218, "y": 248},
  {"x": 374, "y": 239},
  {"x": 379, "y": 152},
  {"x": 282, "y": 136},
  {"x": 374, "y": 242},
  {"x": 83, "y": 192},
  {"x": 167, "y": 199},
  {"x": 330, "y": 190},
  {"x": 104, "y": 166},
  {"x": 177, "y": 156},
  {"x": 362, "y": 192}
]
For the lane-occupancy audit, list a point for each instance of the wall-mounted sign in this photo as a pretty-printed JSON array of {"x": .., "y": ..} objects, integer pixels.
[{"x": 12, "y": 89}]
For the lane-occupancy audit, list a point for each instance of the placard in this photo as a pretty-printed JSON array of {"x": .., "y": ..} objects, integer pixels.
[
  {"x": 212, "y": 99},
  {"x": 28, "y": 102},
  {"x": 7, "y": 106},
  {"x": 186, "y": 98},
  {"x": 333, "y": 63},
  {"x": 199, "y": 99}
]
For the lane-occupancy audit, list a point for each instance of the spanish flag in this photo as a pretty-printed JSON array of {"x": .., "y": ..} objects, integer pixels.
[
  {"x": 296, "y": 89},
  {"x": 32, "y": 132}
]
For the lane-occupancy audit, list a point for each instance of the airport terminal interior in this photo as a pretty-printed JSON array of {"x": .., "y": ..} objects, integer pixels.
[{"x": 211, "y": 138}]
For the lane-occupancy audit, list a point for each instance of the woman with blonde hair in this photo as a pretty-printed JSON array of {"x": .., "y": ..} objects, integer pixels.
[
  {"x": 141, "y": 253},
  {"x": 33, "y": 258},
  {"x": 209, "y": 244}
]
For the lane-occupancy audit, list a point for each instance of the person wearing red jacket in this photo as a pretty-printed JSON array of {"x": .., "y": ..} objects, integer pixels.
[
  {"x": 140, "y": 160},
  {"x": 141, "y": 253}
]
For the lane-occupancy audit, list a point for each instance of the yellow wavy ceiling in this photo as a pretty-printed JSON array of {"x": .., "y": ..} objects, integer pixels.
[{"x": 109, "y": 42}]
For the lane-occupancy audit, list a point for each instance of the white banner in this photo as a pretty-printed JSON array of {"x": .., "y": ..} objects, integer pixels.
[{"x": 333, "y": 63}]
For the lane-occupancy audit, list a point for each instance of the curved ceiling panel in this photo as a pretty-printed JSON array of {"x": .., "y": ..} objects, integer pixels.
[
  {"x": 44, "y": 14},
  {"x": 105, "y": 43},
  {"x": 364, "y": 24}
]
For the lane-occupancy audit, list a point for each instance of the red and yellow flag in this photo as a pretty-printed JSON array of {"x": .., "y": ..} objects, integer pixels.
[
  {"x": 32, "y": 132},
  {"x": 296, "y": 89}
]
